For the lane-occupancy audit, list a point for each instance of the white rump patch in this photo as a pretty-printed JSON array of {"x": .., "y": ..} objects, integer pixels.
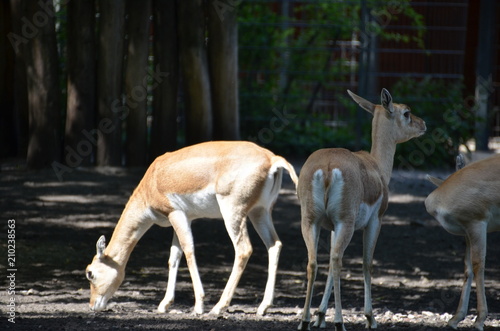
[
  {"x": 335, "y": 192},
  {"x": 318, "y": 192}
]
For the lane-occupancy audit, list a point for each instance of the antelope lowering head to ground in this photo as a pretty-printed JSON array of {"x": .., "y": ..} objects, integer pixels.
[
  {"x": 228, "y": 180},
  {"x": 468, "y": 204},
  {"x": 344, "y": 191}
]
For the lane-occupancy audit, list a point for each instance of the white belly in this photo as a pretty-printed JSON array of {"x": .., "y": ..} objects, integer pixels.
[{"x": 201, "y": 204}]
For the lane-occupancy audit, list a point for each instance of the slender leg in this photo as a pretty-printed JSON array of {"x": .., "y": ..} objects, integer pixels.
[
  {"x": 370, "y": 235},
  {"x": 466, "y": 287},
  {"x": 262, "y": 222},
  {"x": 182, "y": 228},
  {"x": 236, "y": 227},
  {"x": 321, "y": 318},
  {"x": 310, "y": 232},
  {"x": 478, "y": 257},
  {"x": 343, "y": 235},
  {"x": 173, "y": 267}
]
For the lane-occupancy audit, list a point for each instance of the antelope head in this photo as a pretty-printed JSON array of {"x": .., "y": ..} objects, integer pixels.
[
  {"x": 104, "y": 275},
  {"x": 393, "y": 119}
]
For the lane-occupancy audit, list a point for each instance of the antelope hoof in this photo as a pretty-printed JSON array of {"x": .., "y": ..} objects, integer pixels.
[
  {"x": 163, "y": 306},
  {"x": 261, "y": 311},
  {"x": 198, "y": 309},
  {"x": 478, "y": 325},
  {"x": 339, "y": 326},
  {"x": 453, "y": 322},
  {"x": 304, "y": 326},
  {"x": 371, "y": 323},
  {"x": 320, "y": 320},
  {"x": 217, "y": 310}
]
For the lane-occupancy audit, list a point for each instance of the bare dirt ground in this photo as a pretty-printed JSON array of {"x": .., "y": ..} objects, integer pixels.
[{"x": 418, "y": 266}]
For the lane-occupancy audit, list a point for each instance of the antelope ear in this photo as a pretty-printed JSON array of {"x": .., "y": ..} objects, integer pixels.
[
  {"x": 363, "y": 103},
  {"x": 101, "y": 246},
  {"x": 460, "y": 161},
  {"x": 386, "y": 100}
]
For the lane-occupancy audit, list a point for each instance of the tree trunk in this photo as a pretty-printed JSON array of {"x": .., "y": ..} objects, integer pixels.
[
  {"x": 193, "y": 60},
  {"x": 484, "y": 69},
  {"x": 136, "y": 81},
  {"x": 44, "y": 93},
  {"x": 80, "y": 116},
  {"x": 223, "y": 61},
  {"x": 8, "y": 143},
  {"x": 109, "y": 83},
  {"x": 164, "y": 126},
  {"x": 470, "y": 50},
  {"x": 20, "y": 83}
]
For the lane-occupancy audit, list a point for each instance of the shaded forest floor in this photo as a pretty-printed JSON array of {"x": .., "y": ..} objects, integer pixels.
[{"x": 417, "y": 277}]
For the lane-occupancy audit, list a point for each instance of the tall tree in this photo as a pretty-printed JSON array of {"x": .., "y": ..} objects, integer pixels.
[
  {"x": 44, "y": 94},
  {"x": 138, "y": 27},
  {"x": 484, "y": 69},
  {"x": 223, "y": 62},
  {"x": 164, "y": 125},
  {"x": 109, "y": 82},
  {"x": 20, "y": 84},
  {"x": 80, "y": 115},
  {"x": 470, "y": 48},
  {"x": 7, "y": 133},
  {"x": 195, "y": 74}
]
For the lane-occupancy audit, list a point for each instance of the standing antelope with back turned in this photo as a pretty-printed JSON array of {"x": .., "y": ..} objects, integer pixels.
[
  {"x": 344, "y": 191},
  {"x": 468, "y": 204},
  {"x": 229, "y": 180}
]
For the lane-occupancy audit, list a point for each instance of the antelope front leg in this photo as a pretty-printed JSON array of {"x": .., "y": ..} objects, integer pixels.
[
  {"x": 478, "y": 257},
  {"x": 182, "y": 228},
  {"x": 173, "y": 267}
]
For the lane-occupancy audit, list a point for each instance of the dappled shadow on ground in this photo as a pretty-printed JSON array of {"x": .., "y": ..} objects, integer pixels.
[{"x": 417, "y": 274}]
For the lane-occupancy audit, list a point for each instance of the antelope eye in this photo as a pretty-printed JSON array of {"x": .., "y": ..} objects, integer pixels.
[
  {"x": 90, "y": 275},
  {"x": 407, "y": 114}
]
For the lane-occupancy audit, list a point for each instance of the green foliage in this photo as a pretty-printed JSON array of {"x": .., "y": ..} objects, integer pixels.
[
  {"x": 384, "y": 12},
  {"x": 302, "y": 138},
  {"x": 449, "y": 119},
  {"x": 289, "y": 57}
]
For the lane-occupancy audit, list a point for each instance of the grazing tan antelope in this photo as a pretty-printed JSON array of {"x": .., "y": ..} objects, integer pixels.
[
  {"x": 344, "y": 191},
  {"x": 468, "y": 204},
  {"x": 229, "y": 180}
]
